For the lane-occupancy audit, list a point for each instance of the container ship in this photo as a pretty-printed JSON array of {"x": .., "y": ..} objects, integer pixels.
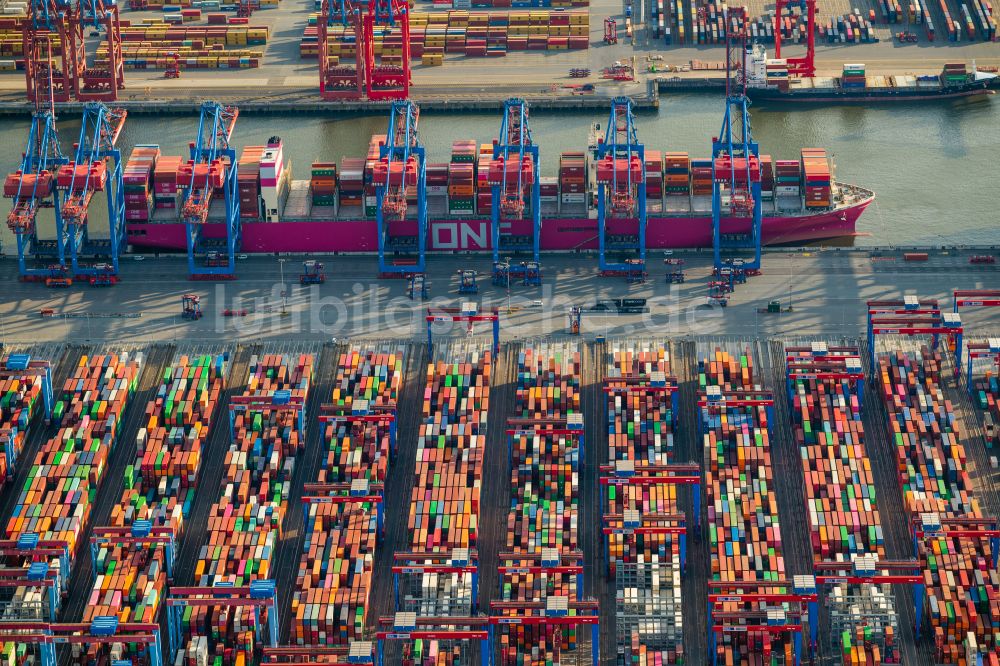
[
  {"x": 769, "y": 79},
  {"x": 334, "y": 210}
]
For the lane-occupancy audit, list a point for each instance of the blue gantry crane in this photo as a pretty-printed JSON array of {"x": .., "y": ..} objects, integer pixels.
[
  {"x": 32, "y": 188},
  {"x": 96, "y": 167},
  {"x": 212, "y": 167},
  {"x": 401, "y": 166},
  {"x": 736, "y": 162},
  {"x": 621, "y": 194},
  {"x": 515, "y": 177}
]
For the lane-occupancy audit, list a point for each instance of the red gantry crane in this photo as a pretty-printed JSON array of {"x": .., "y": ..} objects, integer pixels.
[{"x": 804, "y": 66}]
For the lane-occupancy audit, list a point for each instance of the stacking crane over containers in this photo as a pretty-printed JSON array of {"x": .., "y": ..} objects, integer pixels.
[
  {"x": 235, "y": 598},
  {"x": 541, "y": 567},
  {"x": 103, "y": 638},
  {"x": 86, "y": 175},
  {"x": 69, "y": 75},
  {"x": 402, "y": 167},
  {"x": 468, "y": 314},
  {"x": 914, "y": 316},
  {"x": 753, "y": 609},
  {"x": 825, "y": 386},
  {"x": 644, "y": 532},
  {"x": 357, "y": 652},
  {"x": 802, "y": 66},
  {"x": 53, "y": 509},
  {"x": 736, "y": 173},
  {"x": 436, "y": 580},
  {"x": 212, "y": 167},
  {"x": 25, "y": 390},
  {"x": 344, "y": 508},
  {"x": 955, "y": 541},
  {"x": 32, "y": 188},
  {"x": 621, "y": 185},
  {"x": 365, "y": 77},
  {"x": 515, "y": 177},
  {"x": 341, "y": 81}
]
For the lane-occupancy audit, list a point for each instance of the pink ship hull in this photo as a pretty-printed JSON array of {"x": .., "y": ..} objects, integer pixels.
[{"x": 473, "y": 234}]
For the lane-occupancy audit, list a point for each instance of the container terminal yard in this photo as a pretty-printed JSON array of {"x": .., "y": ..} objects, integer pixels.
[{"x": 691, "y": 484}]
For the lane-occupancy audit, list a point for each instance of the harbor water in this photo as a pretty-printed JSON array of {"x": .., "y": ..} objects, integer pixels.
[{"x": 932, "y": 165}]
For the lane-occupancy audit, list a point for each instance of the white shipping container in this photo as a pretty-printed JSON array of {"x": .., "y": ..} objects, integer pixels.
[{"x": 785, "y": 190}]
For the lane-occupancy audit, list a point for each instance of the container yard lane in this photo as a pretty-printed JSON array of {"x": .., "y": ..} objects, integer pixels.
[
  {"x": 53, "y": 513},
  {"x": 343, "y": 502},
  {"x": 541, "y": 566},
  {"x": 859, "y": 622},
  {"x": 644, "y": 530},
  {"x": 949, "y": 527},
  {"x": 756, "y": 611},
  {"x": 267, "y": 430},
  {"x": 435, "y": 580},
  {"x": 134, "y": 549}
]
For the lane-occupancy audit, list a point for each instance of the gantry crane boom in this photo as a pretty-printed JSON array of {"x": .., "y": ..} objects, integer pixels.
[
  {"x": 401, "y": 166},
  {"x": 86, "y": 175},
  {"x": 621, "y": 184},
  {"x": 32, "y": 186},
  {"x": 212, "y": 167},
  {"x": 736, "y": 160},
  {"x": 515, "y": 176}
]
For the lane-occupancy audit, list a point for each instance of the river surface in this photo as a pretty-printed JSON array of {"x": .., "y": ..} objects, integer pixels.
[{"x": 934, "y": 166}]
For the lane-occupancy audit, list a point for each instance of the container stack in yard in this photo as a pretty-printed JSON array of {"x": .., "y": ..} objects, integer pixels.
[
  {"x": 58, "y": 496},
  {"x": 244, "y": 526},
  {"x": 542, "y": 526},
  {"x": 845, "y": 525},
  {"x": 963, "y": 589},
  {"x": 478, "y": 34},
  {"x": 744, "y": 533},
  {"x": 647, "y": 566},
  {"x": 986, "y": 396},
  {"x": 23, "y": 387},
  {"x": 334, "y": 578},
  {"x": 131, "y": 572},
  {"x": 199, "y": 47},
  {"x": 443, "y": 521}
]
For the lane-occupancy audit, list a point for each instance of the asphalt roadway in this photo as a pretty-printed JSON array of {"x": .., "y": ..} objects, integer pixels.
[{"x": 826, "y": 290}]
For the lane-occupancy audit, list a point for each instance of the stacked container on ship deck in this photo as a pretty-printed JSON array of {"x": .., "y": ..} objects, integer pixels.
[
  {"x": 136, "y": 182},
  {"x": 573, "y": 178},
  {"x": 323, "y": 183},
  {"x": 788, "y": 178},
  {"x": 462, "y": 178},
  {"x": 437, "y": 179},
  {"x": 371, "y": 199},
  {"x": 654, "y": 180},
  {"x": 352, "y": 184},
  {"x": 677, "y": 174},
  {"x": 244, "y": 526},
  {"x": 853, "y": 77},
  {"x": 548, "y": 190},
  {"x": 484, "y": 189},
  {"x": 248, "y": 182},
  {"x": 59, "y": 493},
  {"x": 701, "y": 178},
  {"x": 816, "y": 176},
  {"x": 165, "y": 181},
  {"x": 963, "y": 589},
  {"x": 335, "y": 569},
  {"x": 767, "y": 177},
  {"x": 159, "y": 487},
  {"x": 647, "y": 567}
]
